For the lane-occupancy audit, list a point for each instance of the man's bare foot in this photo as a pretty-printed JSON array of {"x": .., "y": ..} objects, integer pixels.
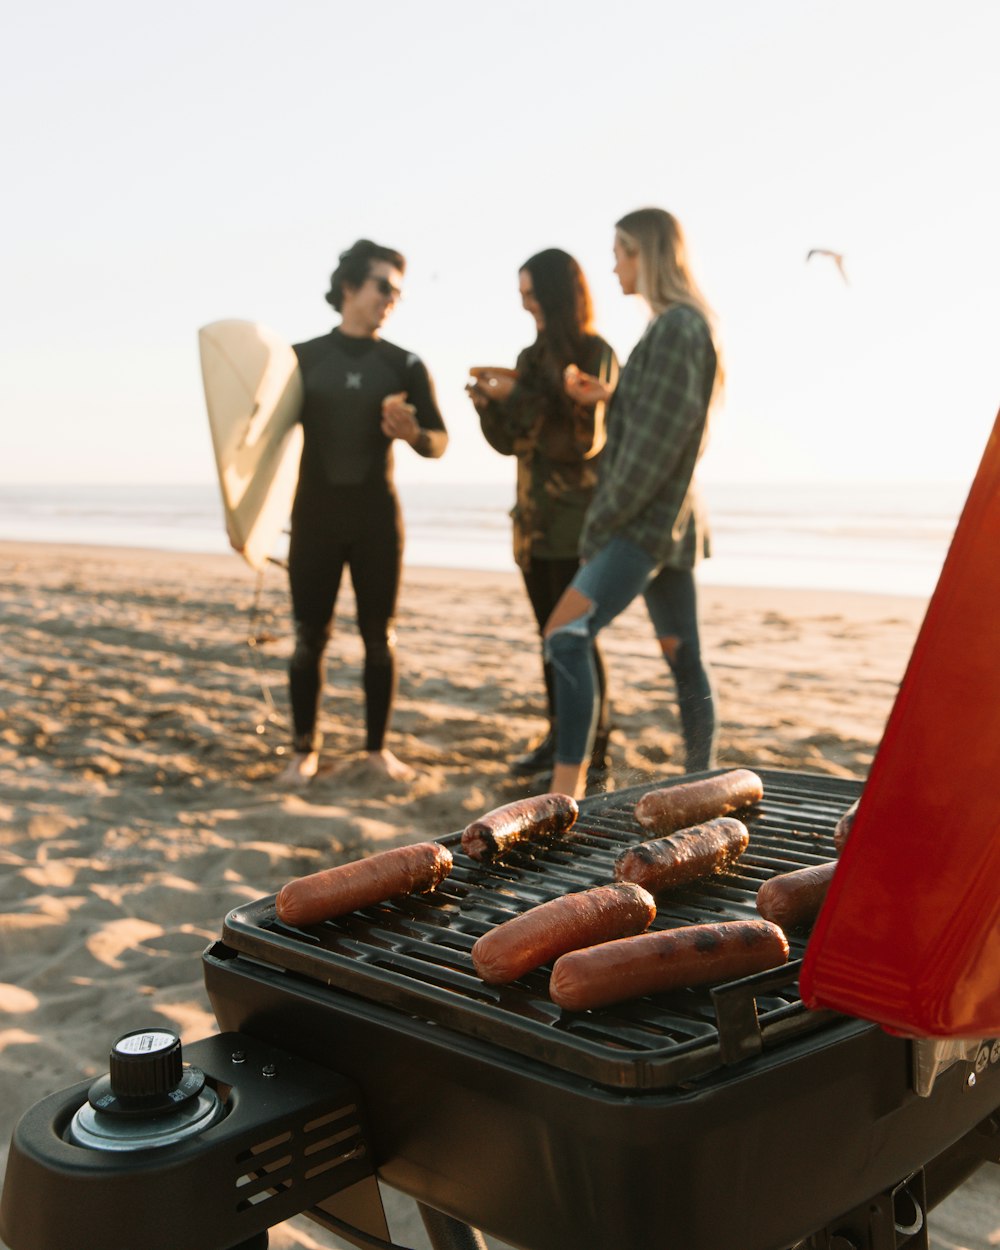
[
  {"x": 384, "y": 761},
  {"x": 301, "y": 768}
]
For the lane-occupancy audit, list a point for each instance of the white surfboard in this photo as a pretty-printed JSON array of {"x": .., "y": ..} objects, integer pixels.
[{"x": 253, "y": 392}]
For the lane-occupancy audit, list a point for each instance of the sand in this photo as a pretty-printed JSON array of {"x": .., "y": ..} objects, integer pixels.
[{"x": 139, "y": 752}]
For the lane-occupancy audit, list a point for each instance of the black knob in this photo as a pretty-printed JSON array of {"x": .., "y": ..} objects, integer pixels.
[
  {"x": 146, "y": 1076},
  {"x": 145, "y": 1063}
]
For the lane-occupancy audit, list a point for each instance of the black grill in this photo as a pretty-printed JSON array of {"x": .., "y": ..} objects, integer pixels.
[{"x": 726, "y": 1118}]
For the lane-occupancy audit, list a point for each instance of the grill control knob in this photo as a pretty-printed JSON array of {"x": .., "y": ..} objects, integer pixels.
[
  {"x": 149, "y": 1096},
  {"x": 146, "y": 1075},
  {"x": 145, "y": 1063}
]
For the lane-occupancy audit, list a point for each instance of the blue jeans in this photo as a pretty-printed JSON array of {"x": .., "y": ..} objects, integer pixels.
[{"x": 611, "y": 580}]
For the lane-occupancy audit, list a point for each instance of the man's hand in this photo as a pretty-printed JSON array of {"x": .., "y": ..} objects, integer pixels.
[{"x": 399, "y": 419}]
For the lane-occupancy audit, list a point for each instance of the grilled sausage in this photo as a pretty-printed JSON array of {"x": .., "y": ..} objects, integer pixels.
[
  {"x": 793, "y": 899},
  {"x": 672, "y": 959},
  {"x": 842, "y": 830},
  {"x": 677, "y": 807},
  {"x": 348, "y": 887},
  {"x": 686, "y": 855},
  {"x": 563, "y": 924},
  {"x": 515, "y": 823}
]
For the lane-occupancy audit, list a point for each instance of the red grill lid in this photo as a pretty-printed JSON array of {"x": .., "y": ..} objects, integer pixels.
[{"x": 909, "y": 935}]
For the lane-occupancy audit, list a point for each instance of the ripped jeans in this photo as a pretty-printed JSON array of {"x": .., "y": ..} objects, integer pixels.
[{"x": 611, "y": 580}]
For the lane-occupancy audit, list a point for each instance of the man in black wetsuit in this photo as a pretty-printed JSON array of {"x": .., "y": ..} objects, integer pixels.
[{"x": 360, "y": 395}]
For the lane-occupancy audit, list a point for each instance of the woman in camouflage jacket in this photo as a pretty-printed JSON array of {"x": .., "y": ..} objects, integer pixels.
[{"x": 527, "y": 413}]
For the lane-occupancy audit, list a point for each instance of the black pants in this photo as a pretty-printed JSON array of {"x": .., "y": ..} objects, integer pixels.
[
  {"x": 545, "y": 581},
  {"x": 362, "y": 529}
]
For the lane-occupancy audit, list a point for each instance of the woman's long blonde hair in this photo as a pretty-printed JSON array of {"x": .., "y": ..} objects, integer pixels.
[{"x": 664, "y": 277}]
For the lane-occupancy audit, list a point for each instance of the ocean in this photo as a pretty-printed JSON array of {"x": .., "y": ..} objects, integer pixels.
[{"x": 887, "y": 539}]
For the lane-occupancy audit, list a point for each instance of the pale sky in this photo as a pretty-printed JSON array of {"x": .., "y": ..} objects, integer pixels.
[{"x": 167, "y": 166}]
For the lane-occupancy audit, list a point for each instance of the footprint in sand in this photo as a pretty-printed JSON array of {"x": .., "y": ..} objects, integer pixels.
[{"x": 33, "y": 934}]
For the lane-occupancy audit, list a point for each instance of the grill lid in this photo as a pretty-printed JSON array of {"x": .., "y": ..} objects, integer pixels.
[
  {"x": 910, "y": 931},
  {"x": 413, "y": 954}
]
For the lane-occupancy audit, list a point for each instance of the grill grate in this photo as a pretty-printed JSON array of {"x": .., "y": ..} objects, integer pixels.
[{"x": 414, "y": 954}]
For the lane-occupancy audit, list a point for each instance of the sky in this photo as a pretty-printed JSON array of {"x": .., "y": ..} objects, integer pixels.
[{"x": 168, "y": 166}]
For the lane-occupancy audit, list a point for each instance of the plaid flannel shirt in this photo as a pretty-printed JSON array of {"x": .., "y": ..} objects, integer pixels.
[{"x": 657, "y": 424}]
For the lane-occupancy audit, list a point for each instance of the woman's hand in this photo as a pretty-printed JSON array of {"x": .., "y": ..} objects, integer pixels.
[
  {"x": 584, "y": 388},
  {"x": 399, "y": 419},
  {"x": 479, "y": 398},
  {"x": 492, "y": 383}
]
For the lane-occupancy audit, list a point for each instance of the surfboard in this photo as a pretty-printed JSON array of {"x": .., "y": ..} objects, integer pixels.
[{"x": 253, "y": 393}]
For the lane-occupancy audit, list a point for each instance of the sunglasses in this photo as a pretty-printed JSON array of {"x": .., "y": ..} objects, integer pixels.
[{"x": 385, "y": 287}]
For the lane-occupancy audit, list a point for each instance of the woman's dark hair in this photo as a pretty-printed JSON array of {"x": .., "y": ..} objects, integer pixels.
[
  {"x": 564, "y": 298},
  {"x": 354, "y": 266}
]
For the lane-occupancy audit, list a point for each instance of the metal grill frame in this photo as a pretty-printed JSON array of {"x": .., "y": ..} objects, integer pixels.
[{"x": 412, "y": 954}]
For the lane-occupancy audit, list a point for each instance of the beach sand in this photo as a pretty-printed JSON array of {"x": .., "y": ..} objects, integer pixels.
[{"x": 138, "y": 758}]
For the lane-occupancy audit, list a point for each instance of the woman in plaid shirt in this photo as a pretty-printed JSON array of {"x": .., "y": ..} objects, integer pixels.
[{"x": 645, "y": 530}]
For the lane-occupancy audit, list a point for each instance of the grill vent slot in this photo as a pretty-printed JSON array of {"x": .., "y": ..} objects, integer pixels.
[{"x": 271, "y": 1168}]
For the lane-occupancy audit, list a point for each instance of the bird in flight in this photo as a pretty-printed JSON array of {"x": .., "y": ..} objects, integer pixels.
[{"x": 836, "y": 257}]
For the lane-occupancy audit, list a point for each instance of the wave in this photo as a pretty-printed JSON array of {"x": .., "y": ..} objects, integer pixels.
[{"x": 891, "y": 539}]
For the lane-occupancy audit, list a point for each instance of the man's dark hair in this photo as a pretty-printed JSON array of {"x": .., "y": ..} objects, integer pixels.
[{"x": 354, "y": 265}]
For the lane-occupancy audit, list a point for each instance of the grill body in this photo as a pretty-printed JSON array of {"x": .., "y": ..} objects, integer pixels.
[
  {"x": 755, "y": 1158},
  {"x": 733, "y": 1120}
]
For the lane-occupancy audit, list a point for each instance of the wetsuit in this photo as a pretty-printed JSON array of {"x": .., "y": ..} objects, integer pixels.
[{"x": 346, "y": 512}]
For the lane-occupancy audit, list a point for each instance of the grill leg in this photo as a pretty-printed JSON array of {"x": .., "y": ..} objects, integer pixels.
[{"x": 446, "y": 1233}]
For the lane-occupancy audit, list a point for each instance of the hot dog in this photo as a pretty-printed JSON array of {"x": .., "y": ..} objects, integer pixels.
[
  {"x": 793, "y": 899},
  {"x": 516, "y": 823},
  {"x": 686, "y": 855},
  {"x": 348, "y": 887},
  {"x": 842, "y": 830},
  {"x": 652, "y": 963},
  {"x": 563, "y": 924},
  {"x": 677, "y": 807}
]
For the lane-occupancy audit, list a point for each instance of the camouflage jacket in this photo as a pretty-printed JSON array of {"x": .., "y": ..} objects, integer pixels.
[{"x": 558, "y": 446}]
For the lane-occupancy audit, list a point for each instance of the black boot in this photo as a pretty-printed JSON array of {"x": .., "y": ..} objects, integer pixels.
[
  {"x": 600, "y": 760},
  {"x": 599, "y": 768},
  {"x": 538, "y": 760}
]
